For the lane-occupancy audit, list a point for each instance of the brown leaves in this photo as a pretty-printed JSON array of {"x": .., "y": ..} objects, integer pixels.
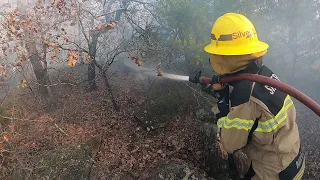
[
  {"x": 73, "y": 58},
  {"x": 23, "y": 84},
  {"x": 13, "y": 24},
  {"x": 3, "y": 74},
  {"x": 55, "y": 53},
  {"x": 112, "y": 25},
  {"x": 5, "y": 137},
  {"x": 72, "y": 61},
  {"x": 52, "y": 44},
  {"x": 160, "y": 73},
  {"x": 137, "y": 60},
  {"x": 16, "y": 25},
  {"x": 158, "y": 70},
  {"x": 23, "y": 57}
]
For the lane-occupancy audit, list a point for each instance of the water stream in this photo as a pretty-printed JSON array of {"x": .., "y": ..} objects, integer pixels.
[
  {"x": 175, "y": 77},
  {"x": 153, "y": 73}
]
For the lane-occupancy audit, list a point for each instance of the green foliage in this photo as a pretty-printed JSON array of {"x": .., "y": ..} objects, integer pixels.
[{"x": 188, "y": 24}]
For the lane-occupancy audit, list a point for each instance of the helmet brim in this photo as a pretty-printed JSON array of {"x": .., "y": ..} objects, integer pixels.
[{"x": 236, "y": 50}]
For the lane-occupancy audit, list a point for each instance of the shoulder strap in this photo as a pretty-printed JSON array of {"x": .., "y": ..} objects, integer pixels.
[{"x": 254, "y": 127}]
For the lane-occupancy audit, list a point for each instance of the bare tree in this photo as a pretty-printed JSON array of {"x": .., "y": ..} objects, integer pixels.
[{"x": 31, "y": 34}]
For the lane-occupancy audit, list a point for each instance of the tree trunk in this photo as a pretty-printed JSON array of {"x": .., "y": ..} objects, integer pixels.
[
  {"x": 40, "y": 70},
  {"x": 110, "y": 92},
  {"x": 92, "y": 67},
  {"x": 92, "y": 76},
  {"x": 93, "y": 47}
]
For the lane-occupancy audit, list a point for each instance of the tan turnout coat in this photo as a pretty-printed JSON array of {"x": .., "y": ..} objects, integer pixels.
[{"x": 275, "y": 143}]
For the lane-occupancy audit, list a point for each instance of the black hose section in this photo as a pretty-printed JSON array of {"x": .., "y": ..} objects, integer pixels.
[{"x": 303, "y": 98}]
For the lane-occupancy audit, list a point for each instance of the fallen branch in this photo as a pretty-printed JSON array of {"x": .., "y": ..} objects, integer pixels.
[
  {"x": 96, "y": 154},
  {"x": 55, "y": 84},
  {"x": 19, "y": 119},
  {"x": 110, "y": 92},
  {"x": 61, "y": 129}
]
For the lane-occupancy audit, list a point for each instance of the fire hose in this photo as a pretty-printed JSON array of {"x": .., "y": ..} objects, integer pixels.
[{"x": 303, "y": 98}]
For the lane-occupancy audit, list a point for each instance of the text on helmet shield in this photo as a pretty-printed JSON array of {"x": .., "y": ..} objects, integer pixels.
[{"x": 245, "y": 34}]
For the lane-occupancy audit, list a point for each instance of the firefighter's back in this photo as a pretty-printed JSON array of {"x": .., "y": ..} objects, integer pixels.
[{"x": 275, "y": 142}]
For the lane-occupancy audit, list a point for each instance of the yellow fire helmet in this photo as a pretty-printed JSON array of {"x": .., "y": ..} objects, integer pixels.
[{"x": 234, "y": 34}]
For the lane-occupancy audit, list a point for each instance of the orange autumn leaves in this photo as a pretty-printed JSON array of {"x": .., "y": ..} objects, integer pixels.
[
  {"x": 23, "y": 84},
  {"x": 136, "y": 59},
  {"x": 158, "y": 70},
  {"x": 6, "y": 137},
  {"x": 17, "y": 24},
  {"x": 73, "y": 58}
]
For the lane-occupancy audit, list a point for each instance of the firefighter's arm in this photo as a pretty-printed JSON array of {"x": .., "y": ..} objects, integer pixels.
[{"x": 235, "y": 126}]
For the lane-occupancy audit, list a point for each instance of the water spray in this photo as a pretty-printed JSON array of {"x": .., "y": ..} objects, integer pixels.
[
  {"x": 156, "y": 72},
  {"x": 176, "y": 77}
]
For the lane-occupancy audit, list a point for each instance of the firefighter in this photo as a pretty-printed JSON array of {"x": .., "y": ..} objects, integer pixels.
[{"x": 260, "y": 120}]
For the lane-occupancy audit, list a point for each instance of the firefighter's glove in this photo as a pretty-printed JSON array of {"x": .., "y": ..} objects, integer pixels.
[
  {"x": 215, "y": 89},
  {"x": 207, "y": 88}
]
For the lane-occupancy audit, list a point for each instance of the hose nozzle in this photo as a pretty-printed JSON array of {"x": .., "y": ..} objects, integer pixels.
[{"x": 195, "y": 77}]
